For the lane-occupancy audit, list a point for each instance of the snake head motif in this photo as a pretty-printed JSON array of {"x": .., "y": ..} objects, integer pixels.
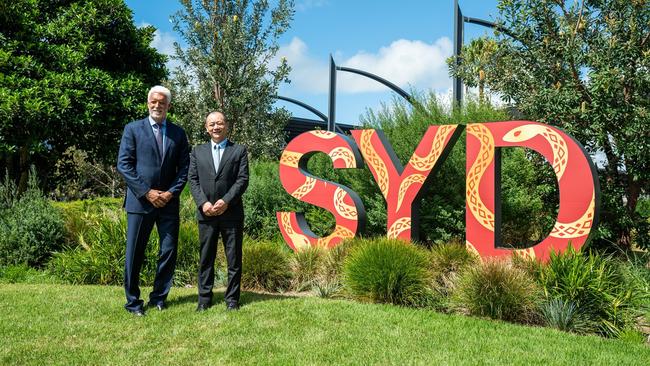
[{"x": 523, "y": 133}]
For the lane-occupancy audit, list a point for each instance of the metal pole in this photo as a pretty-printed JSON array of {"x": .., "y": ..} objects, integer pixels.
[
  {"x": 457, "y": 85},
  {"x": 331, "y": 122}
]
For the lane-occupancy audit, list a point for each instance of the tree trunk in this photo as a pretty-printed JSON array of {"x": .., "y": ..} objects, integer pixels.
[{"x": 23, "y": 169}]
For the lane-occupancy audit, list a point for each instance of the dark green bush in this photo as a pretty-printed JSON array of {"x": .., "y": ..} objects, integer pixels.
[
  {"x": 265, "y": 266},
  {"x": 497, "y": 290},
  {"x": 387, "y": 271},
  {"x": 30, "y": 228},
  {"x": 603, "y": 294}
]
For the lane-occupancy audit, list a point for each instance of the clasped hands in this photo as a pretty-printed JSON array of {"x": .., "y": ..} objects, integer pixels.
[
  {"x": 158, "y": 198},
  {"x": 215, "y": 209}
]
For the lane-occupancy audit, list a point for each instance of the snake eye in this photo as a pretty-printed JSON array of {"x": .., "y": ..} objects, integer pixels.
[{"x": 517, "y": 133}]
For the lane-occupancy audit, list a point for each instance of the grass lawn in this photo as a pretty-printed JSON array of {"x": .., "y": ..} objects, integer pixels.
[{"x": 59, "y": 324}]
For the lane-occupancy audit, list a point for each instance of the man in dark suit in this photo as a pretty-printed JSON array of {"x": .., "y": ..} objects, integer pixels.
[
  {"x": 154, "y": 160},
  {"x": 218, "y": 178}
]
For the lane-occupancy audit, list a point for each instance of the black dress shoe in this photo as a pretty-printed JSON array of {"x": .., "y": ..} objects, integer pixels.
[
  {"x": 136, "y": 312},
  {"x": 232, "y": 306},
  {"x": 202, "y": 307}
]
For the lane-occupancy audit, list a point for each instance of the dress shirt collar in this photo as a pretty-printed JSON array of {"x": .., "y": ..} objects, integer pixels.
[
  {"x": 153, "y": 122},
  {"x": 222, "y": 144}
]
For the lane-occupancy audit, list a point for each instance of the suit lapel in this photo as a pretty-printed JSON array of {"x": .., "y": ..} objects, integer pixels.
[
  {"x": 225, "y": 158},
  {"x": 151, "y": 138},
  {"x": 168, "y": 140}
]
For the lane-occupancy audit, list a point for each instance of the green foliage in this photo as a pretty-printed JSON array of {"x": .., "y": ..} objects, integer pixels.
[
  {"x": 265, "y": 266},
  {"x": 446, "y": 262},
  {"x": 305, "y": 265},
  {"x": 25, "y": 274},
  {"x": 226, "y": 67},
  {"x": 387, "y": 271},
  {"x": 497, "y": 290},
  {"x": 631, "y": 335},
  {"x": 564, "y": 315},
  {"x": 73, "y": 72},
  {"x": 97, "y": 254},
  {"x": 30, "y": 227},
  {"x": 583, "y": 66},
  {"x": 82, "y": 216},
  {"x": 601, "y": 292}
]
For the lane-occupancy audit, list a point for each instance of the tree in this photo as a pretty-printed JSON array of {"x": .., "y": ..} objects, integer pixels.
[
  {"x": 477, "y": 63},
  {"x": 72, "y": 73},
  {"x": 584, "y": 66},
  {"x": 225, "y": 67}
]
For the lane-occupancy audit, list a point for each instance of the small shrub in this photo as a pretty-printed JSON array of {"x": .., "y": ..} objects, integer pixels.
[
  {"x": 30, "y": 228},
  {"x": 564, "y": 315},
  {"x": 597, "y": 286},
  {"x": 326, "y": 288},
  {"x": 497, "y": 290},
  {"x": 446, "y": 263},
  {"x": 265, "y": 266},
  {"x": 631, "y": 335},
  {"x": 334, "y": 259},
  {"x": 305, "y": 266},
  {"x": 387, "y": 271}
]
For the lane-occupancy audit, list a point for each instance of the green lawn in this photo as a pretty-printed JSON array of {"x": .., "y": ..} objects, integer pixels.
[{"x": 58, "y": 324}]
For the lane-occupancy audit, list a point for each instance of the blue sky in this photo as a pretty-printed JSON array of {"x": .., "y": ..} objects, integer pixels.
[{"x": 405, "y": 42}]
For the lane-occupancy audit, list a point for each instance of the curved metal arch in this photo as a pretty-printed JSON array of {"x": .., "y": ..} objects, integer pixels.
[
  {"x": 304, "y": 105},
  {"x": 387, "y": 83}
]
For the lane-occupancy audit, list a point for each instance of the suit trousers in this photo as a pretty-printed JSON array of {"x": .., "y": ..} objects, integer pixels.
[
  {"x": 232, "y": 237},
  {"x": 139, "y": 228}
]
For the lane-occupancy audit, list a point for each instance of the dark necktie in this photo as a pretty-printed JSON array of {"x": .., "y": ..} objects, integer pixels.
[{"x": 159, "y": 138}]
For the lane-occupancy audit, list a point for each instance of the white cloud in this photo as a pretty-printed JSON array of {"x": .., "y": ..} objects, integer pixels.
[
  {"x": 404, "y": 62},
  {"x": 308, "y": 4}
]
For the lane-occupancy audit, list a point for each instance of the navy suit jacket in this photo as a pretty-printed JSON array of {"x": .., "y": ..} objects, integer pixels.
[
  {"x": 140, "y": 164},
  {"x": 229, "y": 183}
]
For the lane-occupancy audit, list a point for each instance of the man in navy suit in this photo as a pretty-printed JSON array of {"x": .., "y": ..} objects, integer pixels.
[
  {"x": 218, "y": 179},
  {"x": 154, "y": 160}
]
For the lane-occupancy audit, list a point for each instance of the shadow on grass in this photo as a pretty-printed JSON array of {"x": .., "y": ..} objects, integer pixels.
[{"x": 247, "y": 297}]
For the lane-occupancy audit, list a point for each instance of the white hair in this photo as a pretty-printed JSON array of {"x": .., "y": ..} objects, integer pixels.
[{"x": 160, "y": 90}]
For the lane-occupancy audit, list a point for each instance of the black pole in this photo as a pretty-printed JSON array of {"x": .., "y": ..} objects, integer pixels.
[
  {"x": 457, "y": 85},
  {"x": 331, "y": 122}
]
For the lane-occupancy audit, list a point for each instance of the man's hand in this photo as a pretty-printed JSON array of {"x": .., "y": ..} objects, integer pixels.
[
  {"x": 166, "y": 196},
  {"x": 207, "y": 209},
  {"x": 154, "y": 196},
  {"x": 219, "y": 207}
]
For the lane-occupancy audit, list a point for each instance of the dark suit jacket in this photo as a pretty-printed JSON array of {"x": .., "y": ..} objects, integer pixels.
[
  {"x": 139, "y": 162},
  {"x": 229, "y": 183}
]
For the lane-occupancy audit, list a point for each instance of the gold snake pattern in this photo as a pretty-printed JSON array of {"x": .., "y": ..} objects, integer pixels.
[
  {"x": 558, "y": 145},
  {"x": 485, "y": 156},
  {"x": 305, "y": 188},
  {"x": 290, "y": 158},
  {"x": 426, "y": 163},
  {"x": 339, "y": 232},
  {"x": 299, "y": 241},
  {"x": 322, "y": 134},
  {"x": 346, "y": 211},
  {"x": 577, "y": 228},
  {"x": 374, "y": 160},
  {"x": 406, "y": 184},
  {"x": 399, "y": 226},
  {"x": 344, "y": 154}
]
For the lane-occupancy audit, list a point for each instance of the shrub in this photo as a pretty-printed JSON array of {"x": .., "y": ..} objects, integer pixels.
[
  {"x": 265, "y": 266},
  {"x": 305, "y": 266},
  {"x": 24, "y": 274},
  {"x": 564, "y": 315},
  {"x": 446, "y": 263},
  {"x": 81, "y": 216},
  {"x": 602, "y": 294},
  {"x": 334, "y": 259},
  {"x": 497, "y": 290},
  {"x": 387, "y": 271},
  {"x": 98, "y": 255},
  {"x": 30, "y": 228},
  {"x": 326, "y": 288}
]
